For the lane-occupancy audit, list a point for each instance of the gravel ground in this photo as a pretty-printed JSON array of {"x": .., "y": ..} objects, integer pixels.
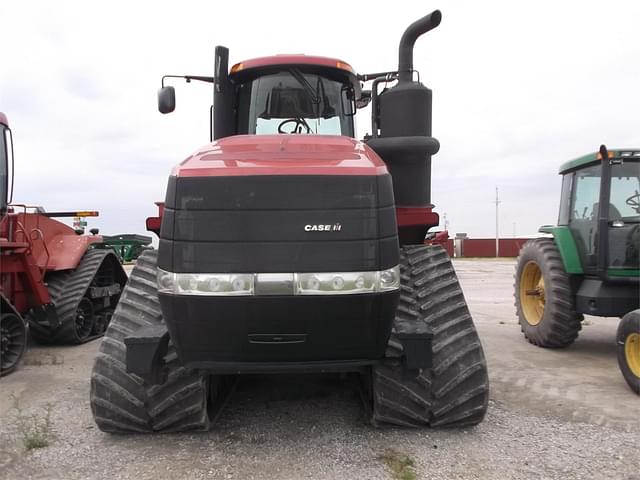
[{"x": 299, "y": 427}]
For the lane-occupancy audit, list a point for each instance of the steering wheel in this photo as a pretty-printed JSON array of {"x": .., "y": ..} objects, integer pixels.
[
  {"x": 299, "y": 122},
  {"x": 634, "y": 201}
]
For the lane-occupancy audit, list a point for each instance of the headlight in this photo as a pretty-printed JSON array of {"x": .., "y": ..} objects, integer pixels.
[
  {"x": 390, "y": 279},
  {"x": 335, "y": 283},
  {"x": 263, "y": 284},
  {"x": 227, "y": 284}
]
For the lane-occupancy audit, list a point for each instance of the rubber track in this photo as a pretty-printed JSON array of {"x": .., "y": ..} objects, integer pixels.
[
  {"x": 455, "y": 391},
  {"x": 560, "y": 323},
  {"x": 120, "y": 401},
  {"x": 66, "y": 289}
]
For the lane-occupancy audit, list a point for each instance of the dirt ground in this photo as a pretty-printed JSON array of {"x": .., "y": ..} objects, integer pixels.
[{"x": 553, "y": 414}]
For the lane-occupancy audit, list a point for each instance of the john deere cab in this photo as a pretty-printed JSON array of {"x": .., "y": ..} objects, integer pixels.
[{"x": 590, "y": 264}]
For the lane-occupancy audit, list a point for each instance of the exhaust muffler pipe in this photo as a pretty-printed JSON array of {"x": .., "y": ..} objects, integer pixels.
[{"x": 409, "y": 37}]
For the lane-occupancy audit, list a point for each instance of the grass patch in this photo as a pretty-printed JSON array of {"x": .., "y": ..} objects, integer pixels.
[
  {"x": 401, "y": 466},
  {"x": 34, "y": 428}
]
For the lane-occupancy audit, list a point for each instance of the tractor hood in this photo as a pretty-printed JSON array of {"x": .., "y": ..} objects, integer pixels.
[{"x": 244, "y": 155}]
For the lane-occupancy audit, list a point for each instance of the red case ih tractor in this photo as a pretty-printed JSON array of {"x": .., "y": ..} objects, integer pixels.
[
  {"x": 286, "y": 245},
  {"x": 54, "y": 282}
]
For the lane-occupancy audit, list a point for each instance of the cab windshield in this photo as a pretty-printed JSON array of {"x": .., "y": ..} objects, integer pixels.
[{"x": 292, "y": 101}]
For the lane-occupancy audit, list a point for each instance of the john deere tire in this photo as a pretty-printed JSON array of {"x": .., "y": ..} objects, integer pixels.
[
  {"x": 455, "y": 392},
  {"x": 628, "y": 340},
  {"x": 543, "y": 299},
  {"x": 121, "y": 402}
]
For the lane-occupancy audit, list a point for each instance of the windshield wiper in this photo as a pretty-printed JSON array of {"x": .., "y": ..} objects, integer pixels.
[{"x": 299, "y": 76}]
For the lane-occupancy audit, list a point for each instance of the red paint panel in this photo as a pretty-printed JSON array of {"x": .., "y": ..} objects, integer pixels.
[
  {"x": 448, "y": 246},
  {"x": 154, "y": 223},
  {"x": 54, "y": 245},
  {"x": 243, "y": 155},
  {"x": 416, "y": 216}
]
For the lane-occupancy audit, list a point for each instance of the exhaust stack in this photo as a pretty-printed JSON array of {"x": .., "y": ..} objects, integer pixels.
[
  {"x": 408, "y": 40},
  {"x": 401, "y": 126}
]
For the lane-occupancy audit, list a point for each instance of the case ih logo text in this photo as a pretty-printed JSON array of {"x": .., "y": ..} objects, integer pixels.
[{"x": 336, "y": 227}]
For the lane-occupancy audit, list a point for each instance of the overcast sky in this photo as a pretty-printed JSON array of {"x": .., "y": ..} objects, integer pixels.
[{"x": 518, "y": 88}]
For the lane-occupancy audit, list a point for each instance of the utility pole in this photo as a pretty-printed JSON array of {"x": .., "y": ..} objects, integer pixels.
[{"x": 497, "y": 231}]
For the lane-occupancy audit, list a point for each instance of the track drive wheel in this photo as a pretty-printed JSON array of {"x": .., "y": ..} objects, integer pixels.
[
  {"x": 13, "y": 341},
  {"x": 121, "y": 402},
  {"x": 628, "y": 340},
  {"x": 543, "y": 299},
  {"x": 455, "y": 391}
]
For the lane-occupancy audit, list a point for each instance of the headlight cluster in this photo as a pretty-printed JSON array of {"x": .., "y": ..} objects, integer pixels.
[
  {"x": 205, "y": 284},
  {"x": 232, "y": 284}
]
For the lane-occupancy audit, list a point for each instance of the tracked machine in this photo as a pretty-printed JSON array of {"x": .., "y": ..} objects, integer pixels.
[
  {"x": 56, "y": 284},
  {"x": 286, "y": 245}
]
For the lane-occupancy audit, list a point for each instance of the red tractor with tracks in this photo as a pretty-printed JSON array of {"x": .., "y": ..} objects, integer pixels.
[
  {"x": 55, "y": 283},
  {"x": 287, "y": 245}
]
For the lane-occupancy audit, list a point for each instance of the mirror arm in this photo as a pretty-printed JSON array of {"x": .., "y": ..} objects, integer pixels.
[
  {"x": 188, "y": 78},
  {"x": 365, "y": 77}
]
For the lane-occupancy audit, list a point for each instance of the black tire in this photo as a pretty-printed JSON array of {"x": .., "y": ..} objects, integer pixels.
[
  {"x": 544, "y": 302},
  {"x": 121, "y": 402},
  {"x": 628, "y": 340},
  {"x": 455, "y": 391},
  {"x": 13, "y": 339}
]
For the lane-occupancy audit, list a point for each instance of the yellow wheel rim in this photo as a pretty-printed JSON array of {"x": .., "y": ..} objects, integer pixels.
[
  {"x": 532, "y": 293},
  {"x": 632, "y": 353}
]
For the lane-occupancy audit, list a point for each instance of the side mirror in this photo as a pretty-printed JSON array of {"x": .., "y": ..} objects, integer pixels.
[
  {"x": 348, "y": 101},
  {"x": 166, "y": 99},
  {"x": 364, "y": 100}
]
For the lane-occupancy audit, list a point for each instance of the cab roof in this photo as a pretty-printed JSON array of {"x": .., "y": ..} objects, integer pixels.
[
  {"x": 593, "y": 158},
  {"x": 289, "y": 59}
]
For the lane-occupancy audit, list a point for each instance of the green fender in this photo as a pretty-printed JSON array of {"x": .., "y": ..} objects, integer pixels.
[{"x": 566, "y": 246}]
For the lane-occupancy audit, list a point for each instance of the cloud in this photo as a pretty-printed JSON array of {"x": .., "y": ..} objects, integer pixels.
[{"x": 80, "y": 83}]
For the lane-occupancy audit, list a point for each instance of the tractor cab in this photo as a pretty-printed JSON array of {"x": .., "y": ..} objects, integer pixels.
[
  {"x": 601, "y": 208},
  {"x": 281, "y": 94},
  {"x": 296, "y": 94}
]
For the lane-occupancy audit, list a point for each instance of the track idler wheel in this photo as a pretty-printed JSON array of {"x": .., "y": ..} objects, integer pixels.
[
  {"x": 84, "y": 319},
  {"x": 13, "y": 341}
]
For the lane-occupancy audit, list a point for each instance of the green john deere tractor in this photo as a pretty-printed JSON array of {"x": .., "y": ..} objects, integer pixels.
[{"x": 590, "y": 264}]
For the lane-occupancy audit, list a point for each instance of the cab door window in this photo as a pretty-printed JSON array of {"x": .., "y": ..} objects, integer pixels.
[
  {"x": 624, "y": 215},
  {"x": 583, "y": 220}
]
